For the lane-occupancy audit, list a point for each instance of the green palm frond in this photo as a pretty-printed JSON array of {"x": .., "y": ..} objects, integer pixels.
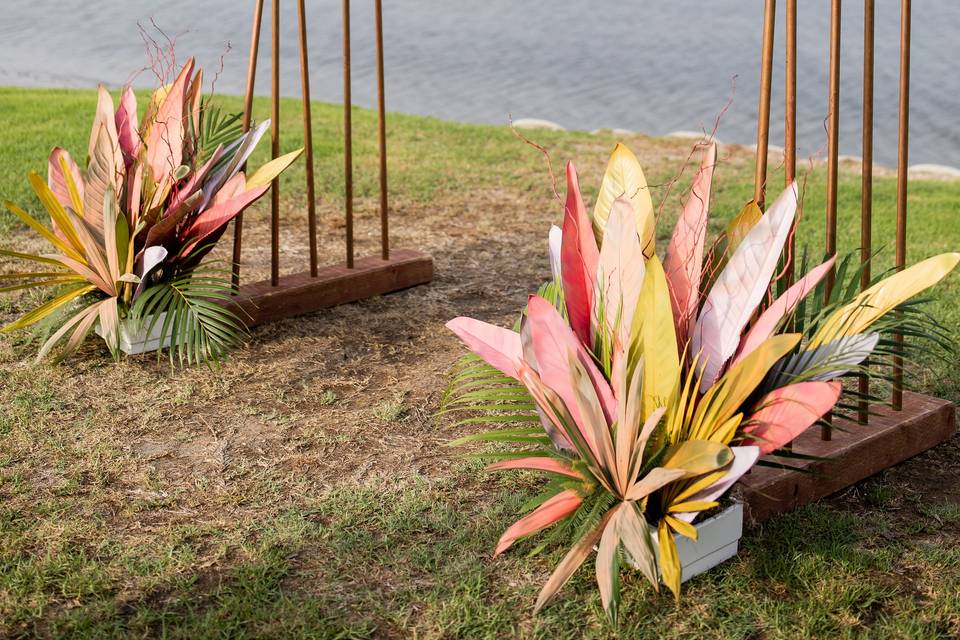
[
  {"x": 201, "y": 326},
  {"x": 552, "y": 292},
  {"x": 480, "y": 394},
  {"x": 216, "y": 129}
]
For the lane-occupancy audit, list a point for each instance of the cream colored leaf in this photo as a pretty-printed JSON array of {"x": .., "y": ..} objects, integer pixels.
[{"x": 624, "y": 178}]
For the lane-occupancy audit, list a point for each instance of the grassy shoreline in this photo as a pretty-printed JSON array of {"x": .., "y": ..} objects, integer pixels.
[{"x": 301, "y": 490}]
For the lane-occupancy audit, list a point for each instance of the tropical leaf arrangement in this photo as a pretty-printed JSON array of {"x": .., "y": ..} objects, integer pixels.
[
  {"x": 130, "y": 230},
  {"x": 651, "y": 386}
]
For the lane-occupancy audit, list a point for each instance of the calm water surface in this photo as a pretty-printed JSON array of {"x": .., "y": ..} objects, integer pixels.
[{"x": 651, "y": 66}]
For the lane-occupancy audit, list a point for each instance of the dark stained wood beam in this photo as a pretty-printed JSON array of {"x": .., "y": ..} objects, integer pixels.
[
  {"x": 856, "y": 452},
  {"x": 301, "y": 293}
]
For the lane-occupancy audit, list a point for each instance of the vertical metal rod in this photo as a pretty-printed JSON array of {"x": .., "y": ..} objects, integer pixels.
[
  {"x": 247, "y": 115},
  {"x": 833, "y": 131},
  {"x": 902, "y": 148},
  {"x": 790, "y": 134},
  {"x": 763, "y": 111},
  {"x": 382, "y": 134},
  {"x": 308, "y": 138},
  {"x": 866, "y": 189},
  {"x": 275, "y": 150},
  {"x": 347, "y": 134},
  {"x": 790, "y": 119}
]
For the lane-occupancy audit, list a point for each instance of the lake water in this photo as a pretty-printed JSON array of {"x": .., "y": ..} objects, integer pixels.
[{"x": 649, "y": 66}]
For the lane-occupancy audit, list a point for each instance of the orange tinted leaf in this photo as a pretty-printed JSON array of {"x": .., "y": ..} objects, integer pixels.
[{"x": 553, "y": 510}]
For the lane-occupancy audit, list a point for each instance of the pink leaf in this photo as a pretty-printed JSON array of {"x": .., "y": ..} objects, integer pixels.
[
  {"x": 58, "y": 183},
  {"x": 106, "y": 117},
  {"x": 684, "y": 261},
  {"x": 216, "y": 217},
  {"x": 105, "y": 167},
  {"x": 548, "y": 404},
  {"x": 165, "y": 139},
  {"x": 620, "y": 270},
  {"x": 741, "y": 286},
  {"x": 768, "y": 321},
  {"x": 230, "y": 189},
  {"x": 56, "y": 180},
  {"x": 110, "y": 323},
  {"x": 553, "y": 510},
  {"x": 552, "y": 340},
  {"x": 785, "y": 413},
  {"x": 498, "y": 347},
  {"x": 579, "y": 256},
  {"x": 537, "y": 463},
  {"x": 127, "y": 127}
]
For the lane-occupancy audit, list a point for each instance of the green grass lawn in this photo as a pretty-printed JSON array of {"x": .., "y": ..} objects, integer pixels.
[{"x": 301, "y": 490}]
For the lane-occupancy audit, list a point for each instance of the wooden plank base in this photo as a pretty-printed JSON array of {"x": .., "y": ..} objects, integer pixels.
[
  {"x": 300, "y": 293},
  {"x": 855, "y": 453}
]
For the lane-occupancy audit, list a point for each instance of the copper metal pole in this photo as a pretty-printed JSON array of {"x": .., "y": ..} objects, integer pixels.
[
  {"x": 833, "y": 136},
  {"x": 902, "y": 147},
  {"x": 275, "y": 150},
  {"x": 347, "y": 134},
  {"x": 308, "y": 138},
  {"x": 247, "y": 115},
  {"x": 382, "y": 134},
  {"x": 790, "y": 135},
  {"x": 790, "y": 119},
  {"x": 763, "y": 111},
  {"x": 866, "y": 189}
]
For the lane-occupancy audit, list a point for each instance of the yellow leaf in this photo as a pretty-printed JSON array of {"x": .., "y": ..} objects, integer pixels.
[
  {"x": 46, "y": 309},
  {"x": 697, "y": 457},
  {"x": 725, "y": 432},
  {"x": 882, "y": 297},
  {"x": 683, "y": 528},
  {"x": 84, "y": 319},
  {"x": 149, "y": 116},
  {"x": 669, "y": 560},
  {"x": 722, "y": 400},
  {"x": 658, "y": 340},
  {"x": 30, "y": 256},
  {"x": 681, "y": 409},
  {"x": 741, "y": 224},
  {"x": 266, "y": 173},
  {"x": 624, "y": 177},
  {"x": 695, "y": 486},
  {"x": 693, "y": 505},
  {"x": 43, "y": 231}
]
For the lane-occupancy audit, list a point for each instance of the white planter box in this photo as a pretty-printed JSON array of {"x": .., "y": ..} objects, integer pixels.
[
  {"x": 134, "y": 339},
  {"x": 718, "y": 539}
]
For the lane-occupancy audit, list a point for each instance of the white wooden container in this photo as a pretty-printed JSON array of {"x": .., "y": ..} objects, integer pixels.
[
  {"x": 134, "y": 338},
  {"x": 718, "y": 539}
]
